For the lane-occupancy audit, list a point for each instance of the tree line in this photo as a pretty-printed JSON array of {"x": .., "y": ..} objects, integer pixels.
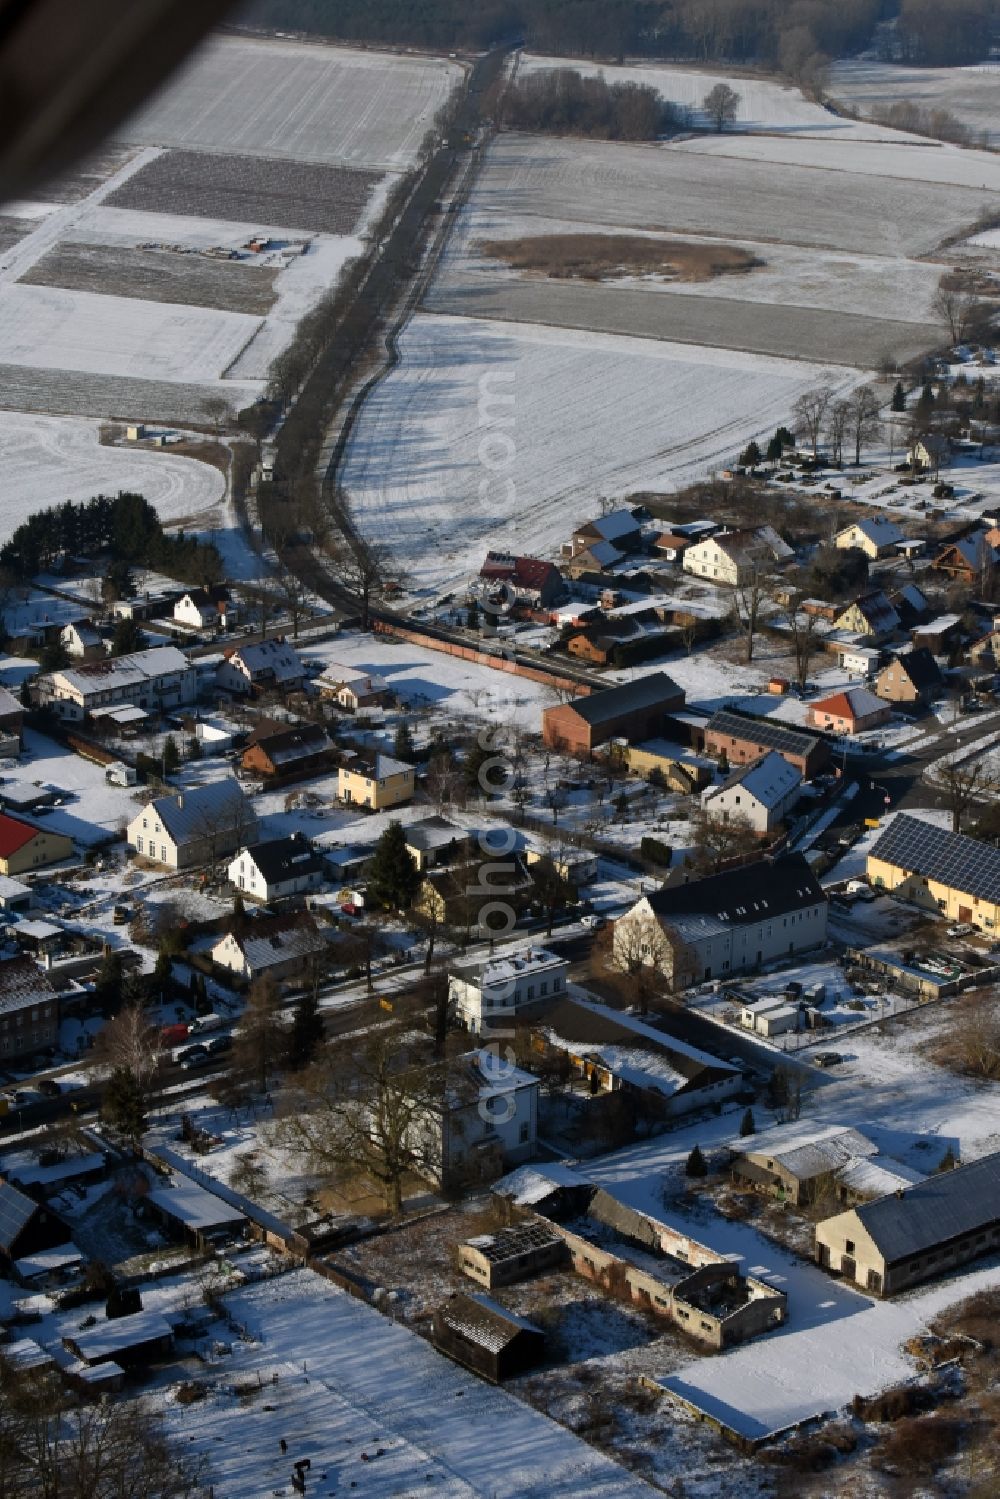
[
  {"x": 797, "y": 36},
  {"x": 125, "y": 526},
  {"x": 564, "y": 101}
]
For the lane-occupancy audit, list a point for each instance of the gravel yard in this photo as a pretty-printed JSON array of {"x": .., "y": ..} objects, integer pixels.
[
  {"x": 297, "y": 194},
  {"x": 156, "y": 276}
]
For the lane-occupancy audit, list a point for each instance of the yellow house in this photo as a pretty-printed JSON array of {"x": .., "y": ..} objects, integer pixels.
[
  {"x": 24, "y": 847},
  {"x": 375, "y": 781},
  {"x": 875, "y": 535},
  {"x": 948, "y": 873},
  {"x": 660, "y": 755}
]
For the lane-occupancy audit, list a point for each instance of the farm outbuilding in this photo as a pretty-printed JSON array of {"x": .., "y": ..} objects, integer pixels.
[
  {"x": 188, "y": 1211},
  {"x": 484, "y": 1336},
  {"x": 127, "y": 1341}
]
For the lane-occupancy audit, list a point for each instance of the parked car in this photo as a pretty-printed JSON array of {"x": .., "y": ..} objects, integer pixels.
[
  {"x": 194, "y": 1056},
  {"x": 215, "y": 1044},
  {"x": 173, "y": 1035},
  {"x": 593, "y": 921},
  {"x": 49, "y": 1087},
  {"x": 860, "y": 890},
  {"x": 827, "y": 1058}
]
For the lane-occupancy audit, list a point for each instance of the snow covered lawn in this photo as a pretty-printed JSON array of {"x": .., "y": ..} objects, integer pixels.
[
  {"x": 49, "y": 459},
  {"x": 492, "y": 434},
  {"x": 971, "y": 93}
]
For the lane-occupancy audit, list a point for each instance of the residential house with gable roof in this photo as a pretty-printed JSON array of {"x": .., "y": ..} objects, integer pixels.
[
  {"x": 279, "y": 948},
  {"x": 154, "y": 681},
  {"x": 853, "y": 711},
  {"x": 875, "y": 535},
  {"x": 277, "y": 868},
  {"x": 736, "y": 557},
  {"x": 742, "y": 739},
  {"x": 763, "y": 793},
  {"x": 193, "y": 827},
  {"x": 29, "y": 1008},
  {"x": 526, "y": 581},
  {"x": 375, "y": 781},
  {"x": 870, "y": 616},
  {"x": 269, "y": 664},
  {"x": 280, "y": 751},
  {"x": 24, "y": 847},
  {"x": 913, "y": 679},
  {"x": 619, "y": 528},
  {"x": 727, "y": 923}
]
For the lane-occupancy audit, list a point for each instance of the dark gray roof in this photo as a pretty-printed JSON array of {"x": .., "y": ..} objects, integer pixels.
[
  {"x": 285, "y": 858},
  {"x": 762, "y": 731},
  {"x": 765, "y": 888},
  {"x": 656, "y": 690},
  {"x": 920, "y": 667},
  {"x": 953, "y": 859},
  {"x": 941, "y": 1208},
  {"x": 16, "y": 1212}
]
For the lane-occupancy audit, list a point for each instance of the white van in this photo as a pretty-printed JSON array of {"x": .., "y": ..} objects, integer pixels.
[{"x": 202, "y": 1023}]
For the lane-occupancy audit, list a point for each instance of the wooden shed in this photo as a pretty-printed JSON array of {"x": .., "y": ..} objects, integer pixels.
[{"x": 484, "y": 1336}]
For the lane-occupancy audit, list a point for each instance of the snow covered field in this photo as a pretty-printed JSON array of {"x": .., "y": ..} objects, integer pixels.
[
  {"x": 765, "y": 104},
  {"x": 50, "y": 328},
  {"x": 972, "y": 93},
  {"x": 48, "y": 459},
  {"x": 302, "y": 100},
  {"x": 494, "y": 434},
  {"x": 704, "y": 187}
]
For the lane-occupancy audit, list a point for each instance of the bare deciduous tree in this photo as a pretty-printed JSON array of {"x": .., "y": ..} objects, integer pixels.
[
  {"x": 719, "y": 840},
  {"x": 965, "y": 784},
  {"x": 864, "y": 420},
  {"x": 361, "y": 1110},
  {"x": 802, "y": 628},
  {"x": 261, "y": 1039},
  {"x": 837, "y": 425},
  {"x": 748, "y": 600},
  {"x": 809, "y": 414},
  {"x": 721, "y": 104}
]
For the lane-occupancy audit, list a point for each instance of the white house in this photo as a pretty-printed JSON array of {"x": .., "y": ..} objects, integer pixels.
[
  {"x": 206, "y": 609},
  {"x": 875, "y": 535},
  {"x": 727, "y": 923},
  {"x": 193, "y": 827},
  {"x": 485, "y": 1120},
  {"x": 734, "y": 557},
  {"x": 281, "y": 866},
  {"x": 277, "y": 948},
  {"x": 763, "y": 793},
  {"x": 271, "y": 663},
  {"x": 353, "y": 690},
  {"x": 152, "y": 681},
  {"x": 487, "y": 996},
  {"x": 82, "y": 640}
]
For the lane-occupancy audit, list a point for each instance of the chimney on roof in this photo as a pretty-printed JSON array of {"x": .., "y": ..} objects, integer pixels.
[
  {"x": 180, "y": 799},
  {"x": 899, "y": 1193}
]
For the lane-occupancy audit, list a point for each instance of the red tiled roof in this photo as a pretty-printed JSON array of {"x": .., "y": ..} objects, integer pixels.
[
  {"x": 524, "y": 572},
  {"x": 14, "y": 835}
]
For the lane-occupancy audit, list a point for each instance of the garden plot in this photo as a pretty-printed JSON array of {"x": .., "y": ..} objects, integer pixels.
[
  {"x": 156, "y": 276},
  {"x": 764, "y": 103},
  {"x": 687, "y": 190},
  {"x": 305, "y": 101},
  {"x": 47, "y": 460},
  {"x": 301, "y": 195},
  {"x": 493, "y": 434},
  {"x": 972, "y": 94},
  {"x": 44, "y": 327}
]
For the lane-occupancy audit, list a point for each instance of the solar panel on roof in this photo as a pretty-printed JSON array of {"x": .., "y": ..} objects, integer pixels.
[
  {"x": 759, "y": 731},
  {"x": 952, "y": 859},
  {"x": 15, "y": 1212}
]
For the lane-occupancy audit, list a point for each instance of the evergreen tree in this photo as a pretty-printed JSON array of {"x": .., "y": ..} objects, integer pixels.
[
  {"x": 474, "y": 761},
  {"x": 307, "y": 1030},
  {"x": 403, "y": 745},
  {"x": 54, "y": 656},
  {"x": 785, "y": 437},
  {"x": 747, "y": 1124},
  {"x": 127, "y": 638},
  {"x": 171, "y": 756},
  {"x": 393, "y": 877},
  {"x": 750, "y": 457},
  {"x": 238, "y": 920},
  {"x": 696, "y": 1164},
  {"x": 775, "y": 449},
  {"x": 472, "y": 618},
  {"x": 948, "y": 1161},
  {"x": 122, "y": 1107},
  {"x": 898, "y": 397}
]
